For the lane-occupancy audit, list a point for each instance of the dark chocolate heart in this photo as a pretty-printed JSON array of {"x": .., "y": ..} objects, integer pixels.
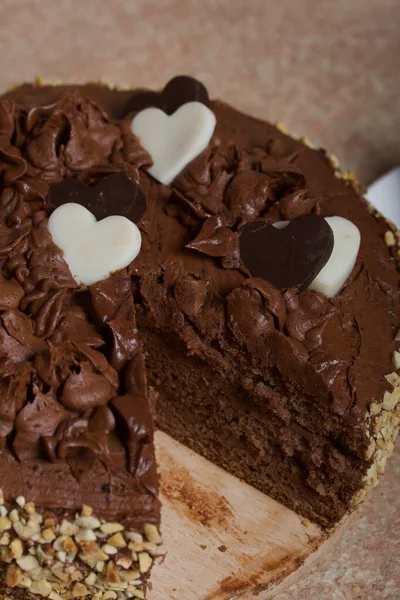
[
  {"x": 116, "y": 194},
  {"x": 289, "y": 257},
  {"x": 180, "y": 90}
]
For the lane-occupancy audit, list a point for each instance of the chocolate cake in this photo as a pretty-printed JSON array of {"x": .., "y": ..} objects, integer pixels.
[
  {"x": 79, "y": 514},
  {"x": 265, "y": 294}
]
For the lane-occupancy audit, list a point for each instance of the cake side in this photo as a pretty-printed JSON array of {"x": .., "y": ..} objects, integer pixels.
[
  {"x": 57, "y": 555},
  {"x": 79, "y": 512}
]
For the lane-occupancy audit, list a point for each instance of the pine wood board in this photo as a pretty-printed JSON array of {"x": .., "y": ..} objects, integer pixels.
[{"x": 224, "y": 540}]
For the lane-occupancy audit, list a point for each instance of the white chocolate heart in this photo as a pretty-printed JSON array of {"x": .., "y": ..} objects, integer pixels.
[
  {"x": 93, "y": 250},
  {"x": 346, "y": 244},
  {"x": 174, "y": 140}
]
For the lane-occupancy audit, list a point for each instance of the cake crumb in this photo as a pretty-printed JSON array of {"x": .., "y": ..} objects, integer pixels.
[
  {"x": 222, "y": 548},
  {"x": 281, "y": 127},
  {"x": 304, "y": 140},
  {"x": 389, "y": 238},
  {"x": 86, "y": 510},
  {"x": 396, "y": 360},
  {"x": 203, "y": 547}
]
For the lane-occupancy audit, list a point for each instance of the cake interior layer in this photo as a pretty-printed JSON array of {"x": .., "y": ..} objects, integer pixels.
[{"x": 272, "y": 439}]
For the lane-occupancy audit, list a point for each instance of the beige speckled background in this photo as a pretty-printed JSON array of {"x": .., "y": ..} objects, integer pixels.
[{"x": 328, "y": 69}]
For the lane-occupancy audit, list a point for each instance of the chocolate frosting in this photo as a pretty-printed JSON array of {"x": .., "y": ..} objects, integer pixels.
[{"x": 73, "y": 389}]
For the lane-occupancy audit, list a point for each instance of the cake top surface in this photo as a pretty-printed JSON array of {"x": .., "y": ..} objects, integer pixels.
[{"x": 188, "y": 276}]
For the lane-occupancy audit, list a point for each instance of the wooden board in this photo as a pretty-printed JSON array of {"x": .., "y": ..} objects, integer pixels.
[{"x": 224, "y": 539}]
